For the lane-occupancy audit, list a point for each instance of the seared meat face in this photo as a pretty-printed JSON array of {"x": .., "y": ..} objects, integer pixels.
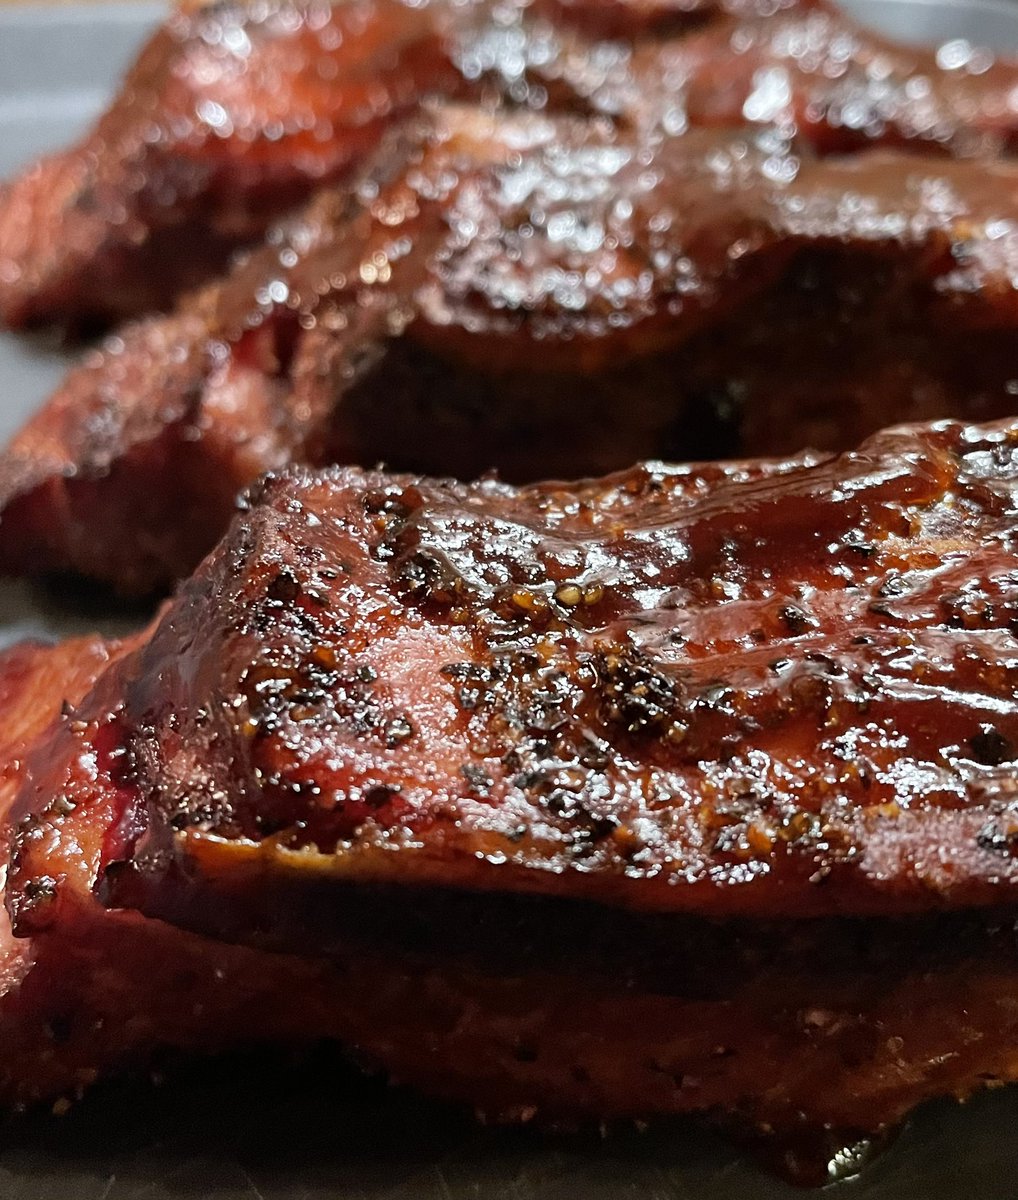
[
  {"x": 643, "y": 795},
  {"x": 541, "y": 296},
  {"x": 684, "y": 789},
  {"x": 498, "y": 288},
  {"x": 233, "y": 114}
]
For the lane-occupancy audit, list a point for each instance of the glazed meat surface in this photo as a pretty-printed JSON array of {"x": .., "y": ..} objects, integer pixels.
[
  {"x": 683, "y": 789},
  {"x": 686, "y": 789},
  {"x": 762, "y": 688},
  {"x": 491, "y": 289},
  {"x": 232, "y": 114},
  {"x": 544, "y": 297}
]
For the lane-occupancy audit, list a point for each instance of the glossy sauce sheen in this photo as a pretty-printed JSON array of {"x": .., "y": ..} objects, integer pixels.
[
  {"x": 507, "y": 756},
  {"x": 802, "y": 1034},
  {"x": 233, "y": 115},
  {"x": 760, "y": 689},
  {"x": 498, "y": 292},
  {"x": 229, "y": 117},
  {"x": 687, "y": 789},
  {"x": 102, "y": 993}
]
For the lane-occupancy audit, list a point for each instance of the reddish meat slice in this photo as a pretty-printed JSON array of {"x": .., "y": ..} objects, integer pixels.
[
  {"x": 730, "y": 689},
  {"x": 542, "y": 296},
  {"x": 678, "y": 790}
]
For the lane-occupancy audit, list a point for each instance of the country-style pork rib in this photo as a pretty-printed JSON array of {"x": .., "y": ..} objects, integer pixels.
[
  {"x": 544, "y": 297},
  {"x": 685, "y": 789},
  {"x": 498, "y": 288},
  {"x": 681, "y": 790},
  {"x": 232, "y": 114}
]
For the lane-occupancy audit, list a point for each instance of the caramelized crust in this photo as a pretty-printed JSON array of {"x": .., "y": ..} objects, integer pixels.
[
  {"x": 104, "y": 992},
  {"x": 684, "y": 789},
  {"x": 230, "y": 116},
  {"x": 498, "y": 287},
  {"x": 761, "y": 689}
]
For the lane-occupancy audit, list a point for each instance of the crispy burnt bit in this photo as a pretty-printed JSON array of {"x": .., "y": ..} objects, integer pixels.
[
  {"x": 494, "y": 294},
  {"x": 570, "y": 781}
]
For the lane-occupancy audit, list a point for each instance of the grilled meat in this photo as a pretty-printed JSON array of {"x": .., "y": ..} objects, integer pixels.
[
  {"x": 543, "y": 297},
  {"x": 233, "y": 114},
  {"x": 494, "y": 274},
  {"x": 107, "y": 989},
  {"x": 685, "y": 789},
  {"x": 718, "y": 689},
  {"x": 679, "y": 790}
]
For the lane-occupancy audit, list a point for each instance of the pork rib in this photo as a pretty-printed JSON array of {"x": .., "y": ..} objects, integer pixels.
[
  {"x": 234, "y": 114},
  {"x": 685, "y": 789},
  {"x": 231, "y": 115},
  {"x": 499, "y": 293}
]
